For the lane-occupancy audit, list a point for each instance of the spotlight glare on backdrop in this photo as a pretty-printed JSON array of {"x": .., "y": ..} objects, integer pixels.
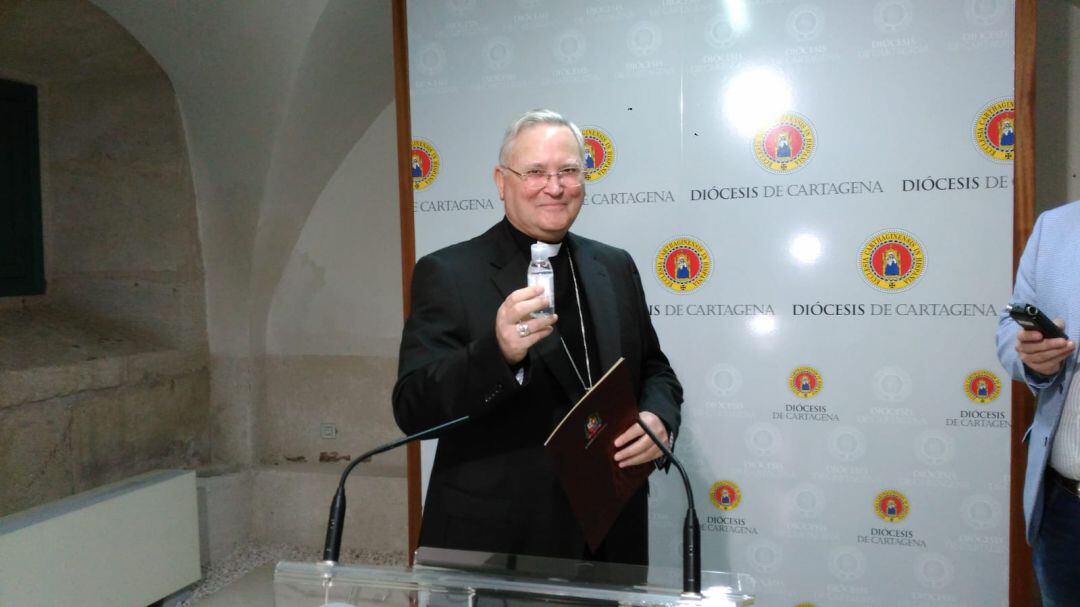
[
  {"x": 754, "y": 98},
  {"x": 805, "y": 249},
  {"x": 737, "y": 15}
]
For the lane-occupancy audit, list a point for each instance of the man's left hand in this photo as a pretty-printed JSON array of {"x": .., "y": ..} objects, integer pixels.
[{"x": 635, "y": 447}]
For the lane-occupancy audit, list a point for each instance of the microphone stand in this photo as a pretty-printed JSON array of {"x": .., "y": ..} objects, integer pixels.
[
  {"x": 334, "y": 528},
  {"x": 691, "y": 528}
]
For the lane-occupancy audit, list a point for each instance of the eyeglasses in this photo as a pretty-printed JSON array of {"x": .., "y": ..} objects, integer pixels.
[{"x": 535, "y": 179}]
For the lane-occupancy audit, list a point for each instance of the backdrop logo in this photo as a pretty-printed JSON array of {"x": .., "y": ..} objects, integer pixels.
[
  {"x": 599, "y": 153},
  {"x": 995, "y": 130},
  {"x": 847, "y": 564},
  {"x": 891, "y": 384},
  {"x": 498, "y": 53},
  {"x": 725, "y": 495},
  {"x": 891, "y": 506},
  {"x": 765, "y": 556},
  {"x": 425, "y": 164},
  {"x": 644, "y": 39},
  {"x": 786, "y": 145},
  {"x": 683, "y": 264},
  {"x": 719, "y": 33},
  {"x": 805, "y": 23},
  {"x": 891, "y": 16},
  {"x": 986, "y": 12},
  {"x": 569, "y": 46},
  {"x": 762, "y": 439},
  {"x": 724, "y": 380},
  {"x": 806, "y": 501},
  {"x": 430, "y": 59},
  {"x": 847, "y": 444},
  {"x": 934, "y": 571},
  {"x": 805, "y": 382},
  {"x": 981, "y": 512},
  {"x": 892, "y": 260},
  {"x": 934, "y": 447},
  {"x": 982, "y": 386}
]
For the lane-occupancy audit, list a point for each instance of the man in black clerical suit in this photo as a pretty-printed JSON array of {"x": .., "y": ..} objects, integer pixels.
[{"x": 471, "y": 347}]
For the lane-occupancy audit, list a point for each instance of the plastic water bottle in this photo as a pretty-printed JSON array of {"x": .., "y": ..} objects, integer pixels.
[{"x": 540, "y": 273}]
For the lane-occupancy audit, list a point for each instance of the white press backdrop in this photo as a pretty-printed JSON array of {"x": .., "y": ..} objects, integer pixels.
[{"x": 846, "y": 426}]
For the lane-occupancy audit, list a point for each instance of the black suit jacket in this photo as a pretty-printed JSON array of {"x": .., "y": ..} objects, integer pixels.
[{"x": 492, "y": 486}]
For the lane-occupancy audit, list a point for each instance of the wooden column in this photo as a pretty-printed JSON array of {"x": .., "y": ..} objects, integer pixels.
[
  {"x": 408, "y": 238},
  {"x": 1022, "y": 586}
]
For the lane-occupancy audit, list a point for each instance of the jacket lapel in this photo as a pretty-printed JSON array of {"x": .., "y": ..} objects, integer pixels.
[
  {"x": 602, "y": 313},
  {"x": 508, "y": 264}
]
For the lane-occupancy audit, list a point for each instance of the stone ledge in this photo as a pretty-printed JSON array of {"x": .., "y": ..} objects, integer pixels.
[
  {"x": 19, "y": 386},
  {"x": 48, "y": 354}
]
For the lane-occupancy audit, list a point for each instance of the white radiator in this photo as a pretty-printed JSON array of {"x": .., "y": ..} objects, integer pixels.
[{"x": 129, "y": 543}]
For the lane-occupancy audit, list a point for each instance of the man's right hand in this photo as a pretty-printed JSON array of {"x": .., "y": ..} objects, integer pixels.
[
  {"x": 516, "y": 309},
  {"x": 1043, "y": 356}
]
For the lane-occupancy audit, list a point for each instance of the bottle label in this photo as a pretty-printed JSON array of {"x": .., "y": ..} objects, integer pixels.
[{"x": 547, "y": 281}]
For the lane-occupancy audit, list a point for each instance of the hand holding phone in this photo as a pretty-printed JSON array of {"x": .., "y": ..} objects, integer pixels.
[
  {"x": 1032, "y": 319},
  {"x": 1043, "y": 347}
]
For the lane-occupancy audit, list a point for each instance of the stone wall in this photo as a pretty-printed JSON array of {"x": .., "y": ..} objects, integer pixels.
[
  {"x": 121, "y": 238},
  {"x": 106, "y": 374},
  {"x": 82, "y": 405},
  {"x": 223, "y": 216}
]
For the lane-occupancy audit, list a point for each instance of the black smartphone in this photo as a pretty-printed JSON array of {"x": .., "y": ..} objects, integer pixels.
[{"x": 1032, "y": 319}]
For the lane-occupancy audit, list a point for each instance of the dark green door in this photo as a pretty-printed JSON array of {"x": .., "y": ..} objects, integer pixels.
[{"x": 22, "y": 269}]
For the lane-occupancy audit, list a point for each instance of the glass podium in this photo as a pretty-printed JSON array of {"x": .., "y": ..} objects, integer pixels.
[{"x": 457, "y": 578}]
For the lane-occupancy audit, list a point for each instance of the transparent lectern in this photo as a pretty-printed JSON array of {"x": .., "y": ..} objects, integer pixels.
[{"x": 457, "y": 578}]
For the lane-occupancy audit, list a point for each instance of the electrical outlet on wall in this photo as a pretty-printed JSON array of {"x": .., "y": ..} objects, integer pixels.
[{"x": 328, "y": 430}]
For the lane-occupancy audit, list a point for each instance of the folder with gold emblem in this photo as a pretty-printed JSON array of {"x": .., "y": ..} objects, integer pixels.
[{"x": 582, "y": 448}]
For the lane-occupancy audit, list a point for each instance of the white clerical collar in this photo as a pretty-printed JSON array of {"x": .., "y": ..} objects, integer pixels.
[{"x": 552, "y": 249}]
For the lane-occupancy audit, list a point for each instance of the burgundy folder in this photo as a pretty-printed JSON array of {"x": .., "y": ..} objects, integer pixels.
[{"x": 582, "y": 448}]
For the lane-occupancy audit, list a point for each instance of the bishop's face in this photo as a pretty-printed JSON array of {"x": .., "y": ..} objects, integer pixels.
[{"x": 544, "y": 212}]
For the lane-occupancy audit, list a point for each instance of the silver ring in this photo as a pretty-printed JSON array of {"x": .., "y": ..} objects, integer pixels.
[{"x": 523, "y": 329}]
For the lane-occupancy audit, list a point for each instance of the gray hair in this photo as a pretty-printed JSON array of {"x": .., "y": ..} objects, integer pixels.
[{"x": 533, "y": 118}]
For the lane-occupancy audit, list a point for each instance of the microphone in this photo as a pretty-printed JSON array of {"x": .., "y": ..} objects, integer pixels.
[
  {"x": 691, "y": 565},
  {"x": 332, "y": 548}
]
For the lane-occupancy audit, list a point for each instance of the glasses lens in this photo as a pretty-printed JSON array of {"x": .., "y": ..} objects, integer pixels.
[
  {"x": 570, "y": 176},
  {"x": 536, "y": 179}
]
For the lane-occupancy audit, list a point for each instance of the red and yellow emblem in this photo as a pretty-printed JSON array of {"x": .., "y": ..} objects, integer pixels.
[
  {"x": 725, "y": 495},
  {"x": 982, "y": 386},
  {"x": 995, "y": 130},
  {"x": 594, "y": 425},
  {"x": 599, "y": 153},
  {"x": 891, "y": 506},
  {"x": 425, "y": 164},
  {"x": 892, "y": 260},
  {"x": 786, "y": 145},
  {"x": 805, "y": 382},
  {"x": 683, "y": 264}
]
